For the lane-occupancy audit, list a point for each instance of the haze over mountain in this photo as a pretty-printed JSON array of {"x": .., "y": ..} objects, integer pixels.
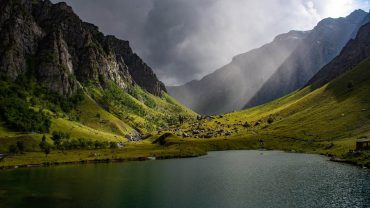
[
  {"x": 352, "y": 55},
  {"x": 227, "y": 88},
  {"x": 324, "y": 43},
  {"x": 292, "y": 58},
  {"x": 184, "y": 40}
]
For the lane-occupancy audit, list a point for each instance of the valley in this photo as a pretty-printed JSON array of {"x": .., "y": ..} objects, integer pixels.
[{"x": 70, "y": 94}]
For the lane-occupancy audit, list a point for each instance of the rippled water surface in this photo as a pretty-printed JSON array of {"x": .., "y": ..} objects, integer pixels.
[{"x": 221, "y": 179}]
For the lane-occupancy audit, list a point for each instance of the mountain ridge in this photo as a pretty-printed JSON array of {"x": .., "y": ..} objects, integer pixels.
[
  {"x": 44, "y": 33},
  {"x": 354, "y": 52},
  {"x": 321, "y": 46},
  {"x": 238, "y": 85},
  {"x": 225, "y": 89}
]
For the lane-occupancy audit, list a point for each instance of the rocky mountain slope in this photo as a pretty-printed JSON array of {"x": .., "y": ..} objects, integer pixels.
[
  {"x": 323, "y": 44},
  {"x": 353, "y": 53},
  {"x": 60, "y": 74},
  {"x": 227, "y": 88},
  {"x": 62, "y": 51}
]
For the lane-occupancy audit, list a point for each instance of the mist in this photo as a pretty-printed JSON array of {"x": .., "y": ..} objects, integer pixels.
[{"x": 184, "y": 40}]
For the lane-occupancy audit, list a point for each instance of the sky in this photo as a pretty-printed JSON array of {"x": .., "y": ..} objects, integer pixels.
[{"x": 183, "y": 40}]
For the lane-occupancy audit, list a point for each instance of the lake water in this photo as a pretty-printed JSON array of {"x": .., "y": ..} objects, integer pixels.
[{"x": 222, "y": 179}]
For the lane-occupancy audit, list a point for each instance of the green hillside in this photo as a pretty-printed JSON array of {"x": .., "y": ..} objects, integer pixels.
[
  {"x": 327, "y": 120},
  {"x": 93, "y": 114}
]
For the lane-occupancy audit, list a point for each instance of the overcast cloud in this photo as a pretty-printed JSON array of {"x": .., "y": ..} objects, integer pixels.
[{"x": 187, "y": 39}]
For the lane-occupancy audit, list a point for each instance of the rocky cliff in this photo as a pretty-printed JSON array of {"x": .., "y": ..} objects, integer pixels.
[
  {"x": 352, "y": 54},
  {"x": 323, "y": 44},
  {"x": 50, "y": 42}
]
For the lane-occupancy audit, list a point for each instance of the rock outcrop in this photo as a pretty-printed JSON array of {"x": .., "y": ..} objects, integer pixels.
[{"x": 53, "y": 44}]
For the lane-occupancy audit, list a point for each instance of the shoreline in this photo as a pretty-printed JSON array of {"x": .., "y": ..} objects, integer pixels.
[{"x": 143, "y": 158}]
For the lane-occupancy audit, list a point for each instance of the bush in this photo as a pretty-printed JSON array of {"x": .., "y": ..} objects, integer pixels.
[
  {"x": 246, "y": 124},
  {"x": 113, "y": 145},
  {"x": 58, "y": 138},
  {"x": 13, "y": 149},
  {"x": 270, "y": 120}
]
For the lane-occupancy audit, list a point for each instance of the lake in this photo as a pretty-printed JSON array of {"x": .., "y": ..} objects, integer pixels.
[{"x": 221, "y": 179}]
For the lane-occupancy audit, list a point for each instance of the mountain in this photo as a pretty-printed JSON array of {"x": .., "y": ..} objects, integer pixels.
[
  {"x": 353, "y": 53},
  {"x": 60, "y": 74},
  {"x": 327, "y": 116},
  {"x": 323, "y": 44},
  {"x": 62, "y": 50},
  {"x": 227, "y": 88}
]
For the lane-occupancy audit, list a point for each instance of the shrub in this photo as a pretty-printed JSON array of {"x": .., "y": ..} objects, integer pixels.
[
  {"x": 13, "y": 149},
  {"x": 113, "y": 145},
  {"x": 350, "y": 85},
  {"x": 270, "y": 120},
  {"x": 246, "y": 124}
]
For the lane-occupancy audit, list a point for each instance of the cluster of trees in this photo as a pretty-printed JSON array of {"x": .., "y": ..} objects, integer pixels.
[
  {"x": 114, "y": 96},
  {"x": 20, "y": 117},
  {"x": 62, "y": 141},
  {"x": 65, "y": 104},
  {"x": 19, "y": 98}
]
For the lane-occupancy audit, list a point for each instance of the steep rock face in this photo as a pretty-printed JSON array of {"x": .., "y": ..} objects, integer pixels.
[
  {"x": 323, "y": 44},
  {"x": 352, "y": 54},
  {"x": 53, "y": 43},
  {"x": 19, "y": 35},
  {"x": 140, "y": 71},
  {"x": 227, "y": 88}
]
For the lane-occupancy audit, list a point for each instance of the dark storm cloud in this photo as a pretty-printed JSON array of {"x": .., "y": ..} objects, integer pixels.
[{"x": 186, "y": 39}]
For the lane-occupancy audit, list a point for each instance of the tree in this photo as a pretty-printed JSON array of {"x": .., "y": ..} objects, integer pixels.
[
  {"x": 44, "y": 146},
  {"x": 43, "y": 143},
  {"x": 350, "y": 85},
  {"x": 58, "y": 138},
  {"x": 47, "y": 150},
  {"x": 20, "y": 146}
]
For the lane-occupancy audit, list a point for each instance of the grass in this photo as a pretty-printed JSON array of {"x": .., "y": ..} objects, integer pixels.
[
  {"x": 326, "y": 121},
  {"x": 140, "y": 109},
  {"x": 92, "y": 115},
  {"x": 93, "y": 119}
]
